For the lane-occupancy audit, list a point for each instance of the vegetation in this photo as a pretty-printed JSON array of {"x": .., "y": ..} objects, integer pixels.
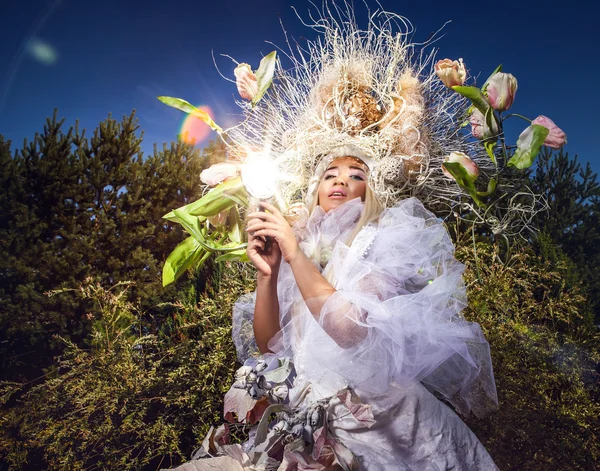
[
  {"x": 71, "y": 208},
  {"x": 102, "y": 368}
]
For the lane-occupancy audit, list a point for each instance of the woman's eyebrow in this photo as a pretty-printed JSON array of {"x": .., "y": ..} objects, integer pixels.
[{"x": 351, "y": 166}]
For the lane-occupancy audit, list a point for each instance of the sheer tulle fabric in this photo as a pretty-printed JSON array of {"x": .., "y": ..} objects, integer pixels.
[{"x": 395, "y": 317}]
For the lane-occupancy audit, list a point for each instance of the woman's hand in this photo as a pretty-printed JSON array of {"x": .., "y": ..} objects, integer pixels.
[
  {"x": 270, "y": 229},
  {"x": 264, "y": 254}
]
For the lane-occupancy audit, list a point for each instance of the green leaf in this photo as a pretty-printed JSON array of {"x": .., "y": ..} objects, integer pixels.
[
  {"x": 489, "y": 148},
  {"x": 476, "y": 97},
  {"x": 529, "y": 144},
  {"x": 485, "y": 84},
  {"x": 191, "y": 224},
  {"x": 491, "y": 188},
  {"x": 234, "y": 224},
  {"x": 187, "y": 107},
  {"x": 220, "y": 198},
  {"x": 186, "y": 254},
  {"x": 264, "y": 75},
  {"x": 233, "y": 255},
  {"x": 464, "y": 180}
]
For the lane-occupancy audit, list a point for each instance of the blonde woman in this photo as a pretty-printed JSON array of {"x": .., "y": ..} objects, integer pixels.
[{"x": 371, "y": 299}]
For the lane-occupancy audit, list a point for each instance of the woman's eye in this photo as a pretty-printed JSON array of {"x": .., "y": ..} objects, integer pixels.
[
  {"x": 357, "y": 177},
  {"x": 328, "y": 177}
]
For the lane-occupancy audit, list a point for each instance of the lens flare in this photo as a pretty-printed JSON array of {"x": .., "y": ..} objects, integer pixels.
[
  {"x": 194, "y": 130},
  {"x": 42, "y": 51}
]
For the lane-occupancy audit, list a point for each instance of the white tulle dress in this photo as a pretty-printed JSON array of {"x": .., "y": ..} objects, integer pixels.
[{"x": 400, "y": 292}]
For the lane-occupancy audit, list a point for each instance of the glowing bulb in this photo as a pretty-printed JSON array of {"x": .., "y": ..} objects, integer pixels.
[{"x": 260, "y": 174}]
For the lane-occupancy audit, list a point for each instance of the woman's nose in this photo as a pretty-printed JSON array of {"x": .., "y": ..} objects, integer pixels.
[{"x": 339, "y": 180}]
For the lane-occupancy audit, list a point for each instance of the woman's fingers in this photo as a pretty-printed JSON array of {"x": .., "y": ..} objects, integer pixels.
[
  {"x": 264, "y": 216},
  {"x": 257, "y": 244},
  {"x": 269, "y": 207},
  {"x": 271, "y": 213},
  {"x": 262, "y": 225}
]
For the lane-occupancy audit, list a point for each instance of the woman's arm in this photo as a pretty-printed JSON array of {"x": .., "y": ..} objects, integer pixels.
[
  {"x": 315, "y": 289},
  {"x": 266, "y": 311},
  {"x": 272, "y": 225},
  {"x": 266, "y": 257}
]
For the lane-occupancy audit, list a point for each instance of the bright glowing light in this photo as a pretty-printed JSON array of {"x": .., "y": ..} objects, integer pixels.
[
  {"x": 260, "y": 175},
  {"x": 42, "y": 52},
  {"x": 194, "y": 130}
]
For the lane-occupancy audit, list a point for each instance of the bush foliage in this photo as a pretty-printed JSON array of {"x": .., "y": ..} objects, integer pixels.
[
  {"x": 131, "y": 400},
  {"x": 545, "y": 351}
]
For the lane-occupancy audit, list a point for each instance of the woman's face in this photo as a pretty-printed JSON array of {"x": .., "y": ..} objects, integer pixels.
[{"x": 344, "y": 180}]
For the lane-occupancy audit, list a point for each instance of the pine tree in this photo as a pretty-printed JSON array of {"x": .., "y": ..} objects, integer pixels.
[
  {"x": 572, "y": 220},
  {"x": 74, "y": 208}
]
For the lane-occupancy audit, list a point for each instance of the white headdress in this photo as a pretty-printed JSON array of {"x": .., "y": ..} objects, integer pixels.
[{"x": 366, "y": 93}]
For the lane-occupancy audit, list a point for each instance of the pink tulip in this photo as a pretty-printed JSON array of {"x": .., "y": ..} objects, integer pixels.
[
  {"x": 479, "y": 127},
  {"x": 465, "y": 161},
  {"x": 501, "y": 91},
  {"x": 218, "y": 173},
  {"x": 246, "y": 82},
  {"x": 556, "y": 137},
  {"x": 452, "y": 73}
]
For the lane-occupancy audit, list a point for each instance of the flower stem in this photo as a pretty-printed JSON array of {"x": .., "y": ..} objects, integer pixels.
[{"x": 518, "y": 116}]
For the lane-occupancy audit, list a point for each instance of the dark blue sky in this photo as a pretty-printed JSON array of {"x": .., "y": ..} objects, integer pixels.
[{"x": 90, "y": 58}]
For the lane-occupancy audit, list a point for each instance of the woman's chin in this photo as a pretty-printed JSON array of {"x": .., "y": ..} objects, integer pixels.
[{"x": 332, "y": 203}]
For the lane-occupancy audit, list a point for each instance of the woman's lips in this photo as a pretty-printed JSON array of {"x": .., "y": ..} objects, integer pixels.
[{"x": 337, "y": 194}]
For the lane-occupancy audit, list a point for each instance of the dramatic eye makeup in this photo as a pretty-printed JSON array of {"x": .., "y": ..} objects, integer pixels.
[{"x": 356, "y": 173}]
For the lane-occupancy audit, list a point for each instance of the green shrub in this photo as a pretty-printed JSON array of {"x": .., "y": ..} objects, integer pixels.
[
  {"x": 544, "y": 350},
  {"x": 136, "y": 401},
  {"x": 131, "y": 400}
]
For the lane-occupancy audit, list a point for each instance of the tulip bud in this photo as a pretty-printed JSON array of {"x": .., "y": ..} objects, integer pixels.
[
  {"x": 556, "y": 137},
  {"x": 452, "y": 73},
  {"x": 218, "y": 173},
  {"x": 465, "y": 161},
  {"x": 246, "y": 81},
  {"x": 501, "y": 91},
  {"x": 219, "y": 220},
  {"x": 479, "y": 126}
]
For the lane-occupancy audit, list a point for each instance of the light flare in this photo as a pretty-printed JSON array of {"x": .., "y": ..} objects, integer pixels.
[
  {"x": 260, "y": 175},
  {"x": 193, "y": 130},
  {"x": 42, "y": 51}
]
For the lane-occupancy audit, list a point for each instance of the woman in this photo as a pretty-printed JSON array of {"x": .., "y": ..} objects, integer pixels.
[{"x": 371, "y": 300}]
